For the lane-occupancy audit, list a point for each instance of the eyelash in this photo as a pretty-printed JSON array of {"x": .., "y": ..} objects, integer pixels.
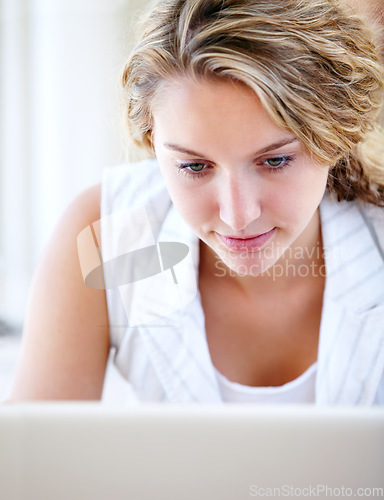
[{"x": 184, "y": 167}]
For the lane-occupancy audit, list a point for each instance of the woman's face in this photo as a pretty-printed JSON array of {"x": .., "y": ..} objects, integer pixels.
[{"x": 244, "y": 185}]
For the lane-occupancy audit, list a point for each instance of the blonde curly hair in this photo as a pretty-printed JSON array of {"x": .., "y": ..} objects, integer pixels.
[{"x": 314, "y": 64}]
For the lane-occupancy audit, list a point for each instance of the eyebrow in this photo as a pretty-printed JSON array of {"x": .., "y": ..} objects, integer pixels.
[{"x": 270, "y": 147}]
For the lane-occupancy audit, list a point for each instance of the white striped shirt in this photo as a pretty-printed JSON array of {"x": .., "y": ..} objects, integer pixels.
[{"x": 157, "y": 326}]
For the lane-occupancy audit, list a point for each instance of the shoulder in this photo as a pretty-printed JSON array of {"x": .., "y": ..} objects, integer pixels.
[
  {"x": 80, "y": 213},
  {"x": 66, "y": 336},
  {"x": 373, "y": 212},
  {"x": 83, "y": 209},
  {"x": 62, "y": 248},
  {"x": 131, "y": 184},
  {"x": 133, "y": 196},
  {"x": 352, "y": 224},
  {"x": 347, "y": 210},
  {"x": 374, "y": 218}
]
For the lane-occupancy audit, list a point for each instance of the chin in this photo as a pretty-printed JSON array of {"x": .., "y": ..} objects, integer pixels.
[{"x": 247, "y": 267}]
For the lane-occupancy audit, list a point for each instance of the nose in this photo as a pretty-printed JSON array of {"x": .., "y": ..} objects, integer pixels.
[{"x": 239, "y": 202}]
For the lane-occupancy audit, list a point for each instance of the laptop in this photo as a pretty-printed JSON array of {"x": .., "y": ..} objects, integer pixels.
[{"x": 89, "y": 451}]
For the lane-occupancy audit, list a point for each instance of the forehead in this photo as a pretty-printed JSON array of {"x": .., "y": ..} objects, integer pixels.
[
  {"x": 215, "y": 111},
  {"x": 184, "y": 90}
]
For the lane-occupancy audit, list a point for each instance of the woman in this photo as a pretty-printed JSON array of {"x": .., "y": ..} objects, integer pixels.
[{"x": 266, "y": 193}]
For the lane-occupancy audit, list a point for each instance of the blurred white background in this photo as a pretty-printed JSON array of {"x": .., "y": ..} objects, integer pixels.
[
  {"x": 60, "y": 120},
  {"x": 60, "y": 124}
]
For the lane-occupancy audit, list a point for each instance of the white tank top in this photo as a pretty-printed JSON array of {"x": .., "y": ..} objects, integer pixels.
[{"x": 299, "y": 390}]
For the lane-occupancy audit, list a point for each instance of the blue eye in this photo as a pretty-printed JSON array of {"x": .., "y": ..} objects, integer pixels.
[
  {"x": 275, "y": 162},
  {"x": 193, "y": 169},
  {"x": 278, "y": 163}
]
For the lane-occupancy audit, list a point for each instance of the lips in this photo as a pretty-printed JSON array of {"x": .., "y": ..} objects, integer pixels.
[
  {"x": 247, "y": 243},
  {"x": 242, "y": 237}
]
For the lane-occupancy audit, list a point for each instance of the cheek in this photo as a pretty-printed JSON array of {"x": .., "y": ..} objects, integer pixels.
[
  {"x": 195, "y": 204},
  {"x": 311, "y": 190},
  {"x": 297, "y": 198}
]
